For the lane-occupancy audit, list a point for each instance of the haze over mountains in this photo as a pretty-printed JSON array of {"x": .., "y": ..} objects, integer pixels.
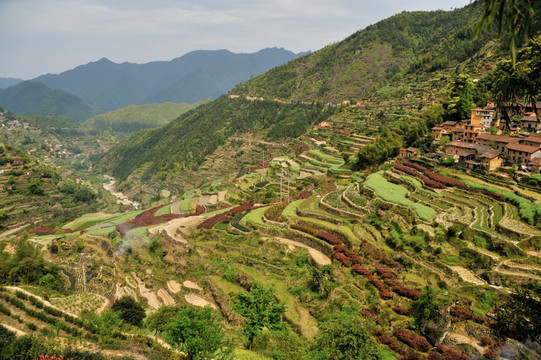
[
  {"x": 103, "y": 85},
  {"x": 195, "y": 76}
]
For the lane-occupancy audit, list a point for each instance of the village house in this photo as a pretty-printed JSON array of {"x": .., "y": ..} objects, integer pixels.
[
  {"x": 532, "y": 140},
  {"x": 520, "y": 153},
  {"x": 535, "y": 165},
  {"x": 408, "y": 152},
  {"x": 530, "y": 123},
  {"x": 475, "y": 156},
  {"x": 484, "y": 116},
  {"x": 499, "y": 142},
  {"x": 489, "y": 160},
  {"x": 471, "y": 131},
  {"x": 437, "y": 132},
  {"x": 17, "y": 161}
]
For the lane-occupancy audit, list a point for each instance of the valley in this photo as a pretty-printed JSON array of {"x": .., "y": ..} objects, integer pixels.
[{"x": 338, "y": 206}]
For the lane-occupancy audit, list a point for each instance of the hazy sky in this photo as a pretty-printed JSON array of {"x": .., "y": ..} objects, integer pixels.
[{"x": 51, "y": 36}]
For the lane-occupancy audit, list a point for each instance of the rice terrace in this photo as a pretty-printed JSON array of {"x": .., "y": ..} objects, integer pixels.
[{"x": 379, "y": 198}]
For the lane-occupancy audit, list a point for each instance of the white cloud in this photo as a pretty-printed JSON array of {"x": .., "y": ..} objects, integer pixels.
[{"x": 55, "y": 35}]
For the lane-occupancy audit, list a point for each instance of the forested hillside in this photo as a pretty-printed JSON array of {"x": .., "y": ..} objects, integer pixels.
[
  {"x": 134, "y": 118},
  {"x": 413, "y": 66},
  {"x": 397, "y": 49},
  {"x": 184, "y": 143},
  {"x": 190, "y": 78},
  {"x": 33, "y": 98}
]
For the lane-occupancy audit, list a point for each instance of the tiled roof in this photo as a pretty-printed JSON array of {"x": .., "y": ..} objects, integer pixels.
[
  {"x": 534, "y": 139},
  {"x": 461, "y": 144},
  {"x": 491, "y": 154},
  {"x": 525, "y": 148},
  {"x": 498, "y": 138}
]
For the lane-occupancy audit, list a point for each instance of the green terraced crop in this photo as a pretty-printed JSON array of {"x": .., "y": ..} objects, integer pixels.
[
  {"x": 290, "y": 210},
  {"x": 527, "y": 210},
  {"x": 397, "y": 194}
]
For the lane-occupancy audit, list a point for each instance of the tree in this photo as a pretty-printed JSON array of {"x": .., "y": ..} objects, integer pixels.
[
  {"x": 158, "y": 320},
  {"x": 518, "y": 316},
  {"x": 425, "y": 308},
  {"x": 129, "y": 310},
  {"x": 260, "y": 309},
  {"x": 198, "y": 333},
  {"x": 34, "y": 187},
  {"x": 459, "y": 106},
  {"x": 345, "y": 336},
  {"x": 519, "y": 83},
  {"x": 513, "y": 18}
]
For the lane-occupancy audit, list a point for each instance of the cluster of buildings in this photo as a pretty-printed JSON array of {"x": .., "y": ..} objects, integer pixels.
[{"x": 477, "y": 142}]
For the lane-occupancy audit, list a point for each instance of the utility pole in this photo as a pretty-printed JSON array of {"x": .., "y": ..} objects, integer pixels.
[
  {"x": 288, "y": 188},
  {"x": 84, "y": 274},
  {"x": 281, "y": 177}
]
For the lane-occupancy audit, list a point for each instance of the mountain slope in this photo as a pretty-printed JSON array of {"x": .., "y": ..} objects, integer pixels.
[
  {"x": 33, "y": 98},
  {"x": 190, "y": 78},
  {"x": 185, "y": 142},
  {"x": 140, "y": 117},
  {"x": 410, "y": 56},
  {"x": 7, "y": 82},
  {"x": 408, "y": 43}
]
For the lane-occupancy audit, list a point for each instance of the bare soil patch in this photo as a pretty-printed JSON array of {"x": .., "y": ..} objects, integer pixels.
[
  {"x": 178, "y": 229},
  {"x": 320, "y": 258},
  {"x": 166, "y": 298},
  {"x": 174, "y": 286},
  {"x": 148, "y": 294},
  {"x": 197, "y": 300},
  {"x": 467, "y": 275},
  {"x": 191, "y": 285}
]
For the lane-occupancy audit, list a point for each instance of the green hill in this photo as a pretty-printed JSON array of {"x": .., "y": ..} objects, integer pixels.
[
  {"x": 409, "y": 58},
  {"x": 185, "y": 142},
  {"x": 140, "y": 117},
  {"x": 401, "y": 47},
  {"x": 190, "y": 78},
  {"x": 33, "y": 98}
]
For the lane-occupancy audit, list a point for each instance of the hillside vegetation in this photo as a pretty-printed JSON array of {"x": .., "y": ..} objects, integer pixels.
[
  {"x": 140, "y": 117},
  {"x": 190, "y": 78},
  {"x": 34, "y": 98},
  {"x": 185, "y": 142},
  {"x": 396, "y": 50},
  {"x": 395, "y": 73}
]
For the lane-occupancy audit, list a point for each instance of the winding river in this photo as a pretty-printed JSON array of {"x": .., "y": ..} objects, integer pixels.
[{"x": 122, "y": 199}]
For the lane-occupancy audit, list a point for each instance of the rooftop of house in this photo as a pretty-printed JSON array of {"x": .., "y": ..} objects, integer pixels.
[
  {"x": 461, "y": 144},
  {"x": 534, "y": 139},
  {"x": 449, "y": 122},
  {"x": 529, "y": 118},
  {"x": 490, "y": 154},
  {"x": 498, "y": 138},
  {"x": 524, "y": 148}
]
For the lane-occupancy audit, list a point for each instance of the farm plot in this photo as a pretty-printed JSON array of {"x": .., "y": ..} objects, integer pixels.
[
  {"x": 397, "y": 194},
  {"x": 80, "y": 302}
]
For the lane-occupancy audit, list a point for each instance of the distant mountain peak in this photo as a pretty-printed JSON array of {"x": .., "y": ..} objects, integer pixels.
[{"x": 190, "y": 78}]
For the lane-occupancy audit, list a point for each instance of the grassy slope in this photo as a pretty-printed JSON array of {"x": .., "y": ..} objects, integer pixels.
[{"x": 138, "y": 117}]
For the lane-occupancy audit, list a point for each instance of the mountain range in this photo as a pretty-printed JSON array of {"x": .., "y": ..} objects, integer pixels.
[
  {"x": 408, "y": 58},
  {"x": 34, "y": 98},
  {"x": 190, "y": 78}
]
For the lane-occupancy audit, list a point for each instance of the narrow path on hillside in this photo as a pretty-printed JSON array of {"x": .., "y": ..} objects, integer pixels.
[
  {"x": 122, "y": 199},
  {"x": 320, "y": 258}
]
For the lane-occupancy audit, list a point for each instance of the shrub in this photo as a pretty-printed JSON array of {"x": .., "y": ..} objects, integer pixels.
[
  {"x": 383, "y": 291},
  {"x": 405, "y": 291},
  {"x": 129, "y": 310},
  {"x": 360, "y": 270},
  {"x": 384, "y": 273},
  {"x": 415, "y": 341},
  {"x": 399, "y": 309}
]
